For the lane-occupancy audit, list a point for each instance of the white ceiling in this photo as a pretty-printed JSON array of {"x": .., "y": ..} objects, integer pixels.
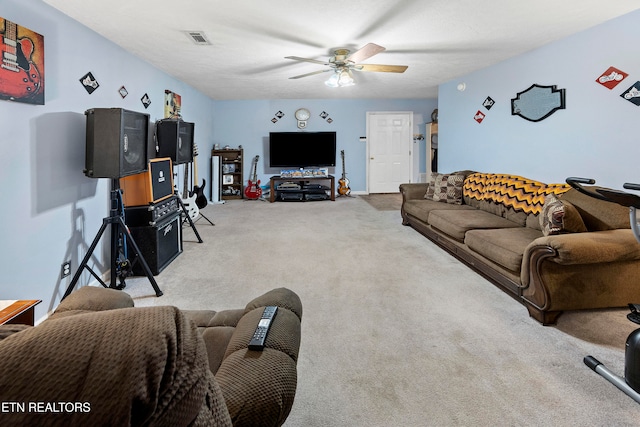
[{"x": 438, "y": 39}]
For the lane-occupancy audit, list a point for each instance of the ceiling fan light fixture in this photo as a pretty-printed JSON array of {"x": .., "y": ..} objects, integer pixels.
[{"x": 341, "y": 78}]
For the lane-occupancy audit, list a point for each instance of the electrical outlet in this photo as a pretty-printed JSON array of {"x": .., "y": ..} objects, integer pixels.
[{"x": 66, "y": 269}]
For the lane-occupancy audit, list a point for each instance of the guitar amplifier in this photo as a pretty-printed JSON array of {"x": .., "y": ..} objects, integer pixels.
[
  {"x": 159, "y": 244},
  {"x": 141, "y": 216},
  {"x": 151, "y": 186}
]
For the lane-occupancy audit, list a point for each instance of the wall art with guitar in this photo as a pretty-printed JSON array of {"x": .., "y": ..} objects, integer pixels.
[{"x": 22, "y": 64}]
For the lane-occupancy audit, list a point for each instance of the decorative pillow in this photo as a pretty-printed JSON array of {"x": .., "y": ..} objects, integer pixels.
[
  {"x": 448, "y": 188},
  {"x": 544, "y": 191},
  {"x": 560, "y": 217},
  {"x": 431, "y": 186}
]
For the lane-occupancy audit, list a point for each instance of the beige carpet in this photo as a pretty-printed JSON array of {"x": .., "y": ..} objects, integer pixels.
[
  {"x": 395, "y": 331},
  {"x": 384, "y": 201}
]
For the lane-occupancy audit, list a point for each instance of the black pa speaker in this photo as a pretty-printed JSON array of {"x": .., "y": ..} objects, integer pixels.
[
  {"x": 117, "y": 142},
  {"x": 174, "y": 139}
]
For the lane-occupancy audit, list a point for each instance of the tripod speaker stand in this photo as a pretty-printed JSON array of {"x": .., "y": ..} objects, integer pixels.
[{"x": 120, "y": 267}]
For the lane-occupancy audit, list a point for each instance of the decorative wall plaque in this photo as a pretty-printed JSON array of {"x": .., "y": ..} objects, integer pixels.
[
  {"x": 611, "y": 77},
  {"x": 89, "y": 83},
  {"x": 538, "y": 102},
  {"x": 632, "y": 94}
]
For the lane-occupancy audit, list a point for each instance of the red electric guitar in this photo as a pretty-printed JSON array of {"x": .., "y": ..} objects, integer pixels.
[
  {"x": 19, "y": 77},
  {"x": 253, "y": 190}
]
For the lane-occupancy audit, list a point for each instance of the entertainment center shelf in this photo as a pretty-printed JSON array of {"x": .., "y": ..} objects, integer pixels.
[{"x": 310, "y": 188}]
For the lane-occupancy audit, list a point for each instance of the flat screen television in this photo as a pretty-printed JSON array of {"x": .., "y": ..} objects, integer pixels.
[{"x": 302, "y": 149}]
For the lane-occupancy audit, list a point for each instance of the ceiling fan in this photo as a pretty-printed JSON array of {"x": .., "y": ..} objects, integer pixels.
[{"x": 342, "y": 63}]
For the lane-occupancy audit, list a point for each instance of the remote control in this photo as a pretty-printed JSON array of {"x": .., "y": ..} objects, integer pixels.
[{"x": 260, "y": 335}]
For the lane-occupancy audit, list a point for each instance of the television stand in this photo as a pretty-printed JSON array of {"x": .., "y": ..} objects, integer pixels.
[{"x": 304, "y": 192}]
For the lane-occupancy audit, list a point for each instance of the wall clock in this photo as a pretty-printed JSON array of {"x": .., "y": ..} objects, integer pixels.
[{"x": 302, "y": 115}]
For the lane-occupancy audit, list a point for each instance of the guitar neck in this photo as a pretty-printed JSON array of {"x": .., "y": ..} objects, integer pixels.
[
  {"x": 10, "y": 32},
  {"x": 185, "y": 192},
  {"x": 195, "y": 164}
]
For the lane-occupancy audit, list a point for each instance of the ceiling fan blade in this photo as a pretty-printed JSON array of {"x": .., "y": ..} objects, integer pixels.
[
  {"x": 312, "y": 73},
  {"x": 381, "y": 68},
  {"x": 313, "y": 61},
  {"x": 365, "y": 52}
]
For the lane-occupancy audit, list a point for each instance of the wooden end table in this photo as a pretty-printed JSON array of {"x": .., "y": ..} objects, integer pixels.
[{"x": 18, "y": 311}]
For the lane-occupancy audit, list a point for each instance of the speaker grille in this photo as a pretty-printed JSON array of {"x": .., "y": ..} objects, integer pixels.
[
  {"x": 116, "y": 144},
  {"x": 175, "y": 140}
]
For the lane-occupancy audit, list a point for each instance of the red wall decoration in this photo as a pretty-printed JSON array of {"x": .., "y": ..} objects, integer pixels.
[
  {"x": 611, "y": 77},
  {"x": 22, "y": 64}
]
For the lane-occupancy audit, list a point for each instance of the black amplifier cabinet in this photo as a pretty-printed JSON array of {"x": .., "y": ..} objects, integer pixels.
[
  {"x": 151, "y": 214},
  {"x": 159, "y": 244}
]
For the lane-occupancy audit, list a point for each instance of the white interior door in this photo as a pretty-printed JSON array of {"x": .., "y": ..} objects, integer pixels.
[{"x": 389, "y": 150}]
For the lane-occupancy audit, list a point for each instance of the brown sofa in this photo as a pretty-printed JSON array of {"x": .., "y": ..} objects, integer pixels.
[
  {"x": 100, "y": 361},
  {"x": 568, "y": 253}
]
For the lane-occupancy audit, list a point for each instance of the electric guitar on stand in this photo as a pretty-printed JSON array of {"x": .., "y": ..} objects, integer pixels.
[
  {"x": 201, "y": 199},
  {"x": 189, "y": 202},
  {"x": 253, "y": 190},
  {"x": 343, "y": 183}
]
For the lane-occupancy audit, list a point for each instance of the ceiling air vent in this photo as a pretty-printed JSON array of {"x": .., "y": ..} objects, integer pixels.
[{"x": 198, "y": 37}]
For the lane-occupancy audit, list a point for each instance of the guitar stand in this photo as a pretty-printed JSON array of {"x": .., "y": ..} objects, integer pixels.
[
  {"x": 186, "y": 215},
  {"x": 207, "y": 219},
  {"x": 119, "y": 269}
]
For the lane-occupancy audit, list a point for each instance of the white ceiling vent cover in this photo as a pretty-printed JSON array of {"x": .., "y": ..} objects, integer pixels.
[{"x": 198, "y": 37}]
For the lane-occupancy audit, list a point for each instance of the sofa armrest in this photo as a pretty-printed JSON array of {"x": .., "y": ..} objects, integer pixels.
[
  {"x": 92, "y": 298},
  {"x": 589, "y": 247},
  {"x": 259, "y": 386},
  {"x": 414, "y": 190},
  {"x": 594, "y": 247}
]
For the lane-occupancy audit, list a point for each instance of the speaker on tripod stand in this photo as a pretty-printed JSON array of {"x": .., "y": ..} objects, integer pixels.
[
  {"x": 116, "y": 146},
  {"x": 174, "y": 139},
  {"x": 117, "y": 141}
]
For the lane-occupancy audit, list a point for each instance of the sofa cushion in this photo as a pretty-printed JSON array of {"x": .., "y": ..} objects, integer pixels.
[
  {"x": 504, "y": 246},
  {"x": 598, "y": 215},
  {"x": 420, "y": 209},
  {"x": 456, "y": 223},
  {"x": 560, "y": 216}
]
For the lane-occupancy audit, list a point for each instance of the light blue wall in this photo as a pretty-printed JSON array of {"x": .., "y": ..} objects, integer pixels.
[
  {"x": 595, "y": 136},
  {"x": 52, "y": 211},
  {"x": 248, "y": 123}
]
